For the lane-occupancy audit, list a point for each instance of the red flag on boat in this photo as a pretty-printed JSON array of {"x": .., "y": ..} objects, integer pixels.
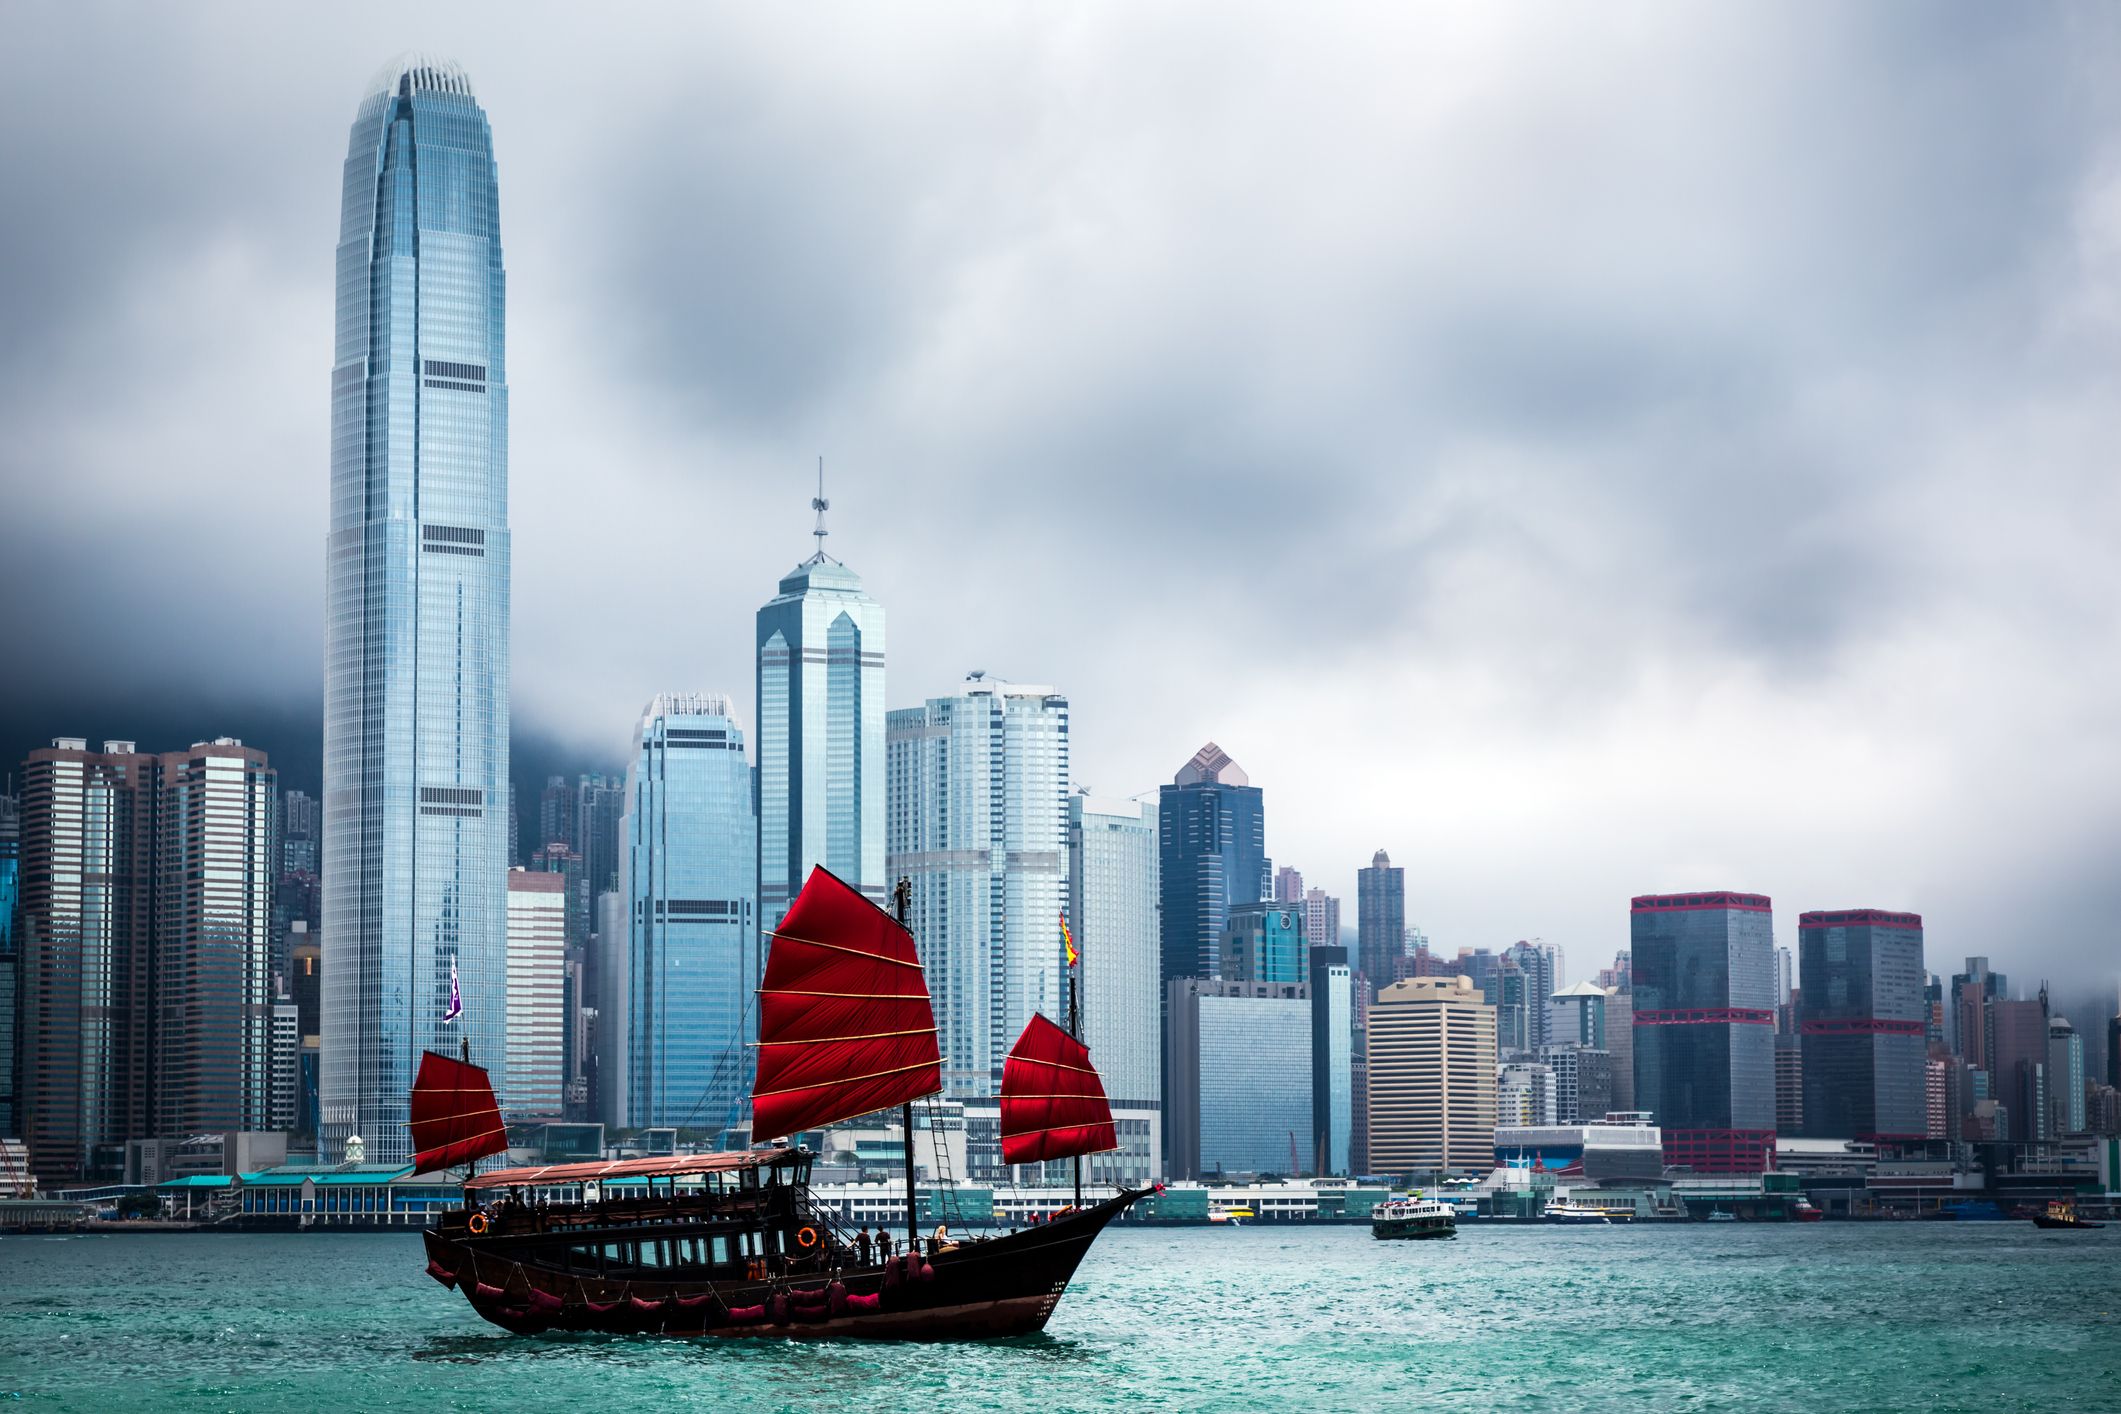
[
  {"x": 455, "y": 1119},
  {"x": 845, "y": 1026},
  {"x": 1053, "y": 1104}
]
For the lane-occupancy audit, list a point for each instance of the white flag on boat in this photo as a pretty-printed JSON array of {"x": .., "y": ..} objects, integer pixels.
[{"x": 456, "y": 998}]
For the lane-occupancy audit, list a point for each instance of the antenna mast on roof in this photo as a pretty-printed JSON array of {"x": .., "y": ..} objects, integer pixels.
[{"x": 819, "y": 504}]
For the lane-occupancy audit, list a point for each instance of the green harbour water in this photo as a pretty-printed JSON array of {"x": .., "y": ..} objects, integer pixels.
[{"x": 1979, "y": 1317}]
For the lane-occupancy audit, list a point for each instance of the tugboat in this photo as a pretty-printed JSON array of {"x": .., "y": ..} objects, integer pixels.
[
  {"x": 1406, "y": 1218},
  {"x": 2062, "y": 1214},
  {"x": 733, "y": 1244}
]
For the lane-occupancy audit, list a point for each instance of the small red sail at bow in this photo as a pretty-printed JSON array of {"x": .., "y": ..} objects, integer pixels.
[
  {"x": 845, "y": 1026},
  {"x": 1053, "y": 1104},
  {"x": 454, "y": 1116}
]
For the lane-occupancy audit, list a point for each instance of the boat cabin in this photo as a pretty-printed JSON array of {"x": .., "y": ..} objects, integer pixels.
[{"x": 699, "y": 1217}]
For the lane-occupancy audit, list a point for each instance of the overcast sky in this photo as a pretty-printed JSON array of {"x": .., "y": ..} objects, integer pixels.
[{"x": 1584, "y": 450}]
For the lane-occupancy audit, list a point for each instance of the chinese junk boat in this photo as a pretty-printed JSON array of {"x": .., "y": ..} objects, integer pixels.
[{"x": 732, "y": 1244}]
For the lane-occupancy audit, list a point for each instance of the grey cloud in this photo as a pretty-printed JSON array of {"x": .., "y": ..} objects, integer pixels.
[{"x": 1419, "y": 395}]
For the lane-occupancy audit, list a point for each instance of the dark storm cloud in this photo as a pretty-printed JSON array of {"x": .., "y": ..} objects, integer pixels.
[{"x": 1585, "y": 453}]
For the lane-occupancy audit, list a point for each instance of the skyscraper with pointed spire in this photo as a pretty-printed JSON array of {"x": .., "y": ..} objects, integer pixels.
[
  {"x": 821, "y": 730},
  {"x": 416, "y": 800}
]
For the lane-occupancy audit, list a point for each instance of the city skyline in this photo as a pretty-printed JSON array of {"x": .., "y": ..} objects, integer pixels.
[
  {"x": 1408, "y": 536},
  {"x": 1754, "y": 671}
]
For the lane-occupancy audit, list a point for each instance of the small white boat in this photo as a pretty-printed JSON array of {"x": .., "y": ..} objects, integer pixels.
[
  {"x": 1718, "y": 1215},
  {"x": 1568, "y": 1210}
]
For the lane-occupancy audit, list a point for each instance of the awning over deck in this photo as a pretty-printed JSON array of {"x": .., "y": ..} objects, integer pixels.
[{"x": 621, "y": 1169}]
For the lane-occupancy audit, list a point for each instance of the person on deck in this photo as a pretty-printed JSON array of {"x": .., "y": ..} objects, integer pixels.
[
  {"x": 883, "y": 1244},
  {"x": 861, "y": 1247}
]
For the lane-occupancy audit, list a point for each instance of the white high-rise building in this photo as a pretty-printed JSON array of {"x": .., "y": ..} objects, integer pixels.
[
  {"x": 978, "y": 820},
  {"x": 1112, "y": 888},
  {"x": 1525, "y": 1095},
  {"x": 537, "y": 953},
  {"x": 1321, "y": 918}
]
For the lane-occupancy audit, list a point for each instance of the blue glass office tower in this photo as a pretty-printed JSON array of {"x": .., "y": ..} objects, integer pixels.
[
  {"x": 1212, "y": 854},
  {"x": 416, "y": 607},
  {"x": 1264, "y": 942},
  {"x": 689, "y": 864},
  {"x": 1704, "y": 1020},
  {"x": 821, "y": 733},
  {"x": 1239, "y": 1056},
  {"x": 1332, "y": 1059},
  {"x": 10, "y": 890},
  {"x": 1380, "y": 922},
  {"x": 1860, "y": 1023}
]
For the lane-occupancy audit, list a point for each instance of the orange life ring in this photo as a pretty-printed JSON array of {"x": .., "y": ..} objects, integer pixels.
[
  {"x": 806, "y": 1237},
  {"x": 477, "y": 1224}
]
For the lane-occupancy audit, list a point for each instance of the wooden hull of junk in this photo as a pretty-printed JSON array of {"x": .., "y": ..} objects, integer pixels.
[{"x": 530, "y": 1282}]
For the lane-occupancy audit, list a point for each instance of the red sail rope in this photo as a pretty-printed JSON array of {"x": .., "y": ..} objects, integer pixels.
[
  {"x": 845, "y": 1026},
  {"x": 1053, "y": 1104},
  {"x": 454, "y": 1117}
]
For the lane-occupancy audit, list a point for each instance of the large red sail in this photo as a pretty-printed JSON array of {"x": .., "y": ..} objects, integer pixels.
[
  {"x": 1053, "y": 1104},
  {"x": 845, "y": 1026},
  {"x": 454, "y": 1116}
]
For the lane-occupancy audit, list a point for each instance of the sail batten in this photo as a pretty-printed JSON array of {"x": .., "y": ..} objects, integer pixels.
[
  {"x": 845, "y": 1024},
  {"x": 1053, "y": 1103},
  {"x": 453, "y": 1117}
]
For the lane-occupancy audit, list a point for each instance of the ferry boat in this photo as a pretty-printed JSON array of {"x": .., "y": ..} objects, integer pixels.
[
  {"x": 2061, "y": 1214},
  {"x": 732, "y": 1244},
  {"x": 1568, "y": 1210},
  {"x": 1406, "y": 1218},
  {"x": 1718, "y": 1215}
]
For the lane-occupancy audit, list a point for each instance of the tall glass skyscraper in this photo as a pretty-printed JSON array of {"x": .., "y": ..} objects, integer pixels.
[
  {"x": 688, "y": 844},
  {"x": 1704, "y": 1019},
  {"x": 86, "y": 957},
  {"x": 416, "y": 606},
  {"x": 1332, "y": 1060},
  {"x": 821, "y": 733},
  {"x": 977, "y": 805},
  {"x": 1212, "y": 835},
  {"x": 10, "y": 890},
  {"x": 1860, "y": 1022},
  {"x": 215, "y": 861},
  {"x": 1380, "y": 921}
]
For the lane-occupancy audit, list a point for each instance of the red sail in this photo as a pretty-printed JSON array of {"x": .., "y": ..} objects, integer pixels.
[
  {"x": 844, "y": 1021},
  {"x": 1053, "y": 1104},
  {"x": 454, "y": 1117}
]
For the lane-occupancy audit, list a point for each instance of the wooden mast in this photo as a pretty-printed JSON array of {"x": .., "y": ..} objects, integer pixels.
[
  {"x": 901, "y": 899},
  {"x": 1075, "y": 1029}
]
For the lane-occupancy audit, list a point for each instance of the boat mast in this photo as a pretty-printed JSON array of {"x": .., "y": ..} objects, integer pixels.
[
  {"x": 471, "y": 1166},
  {"x": 902, "y": 899},
  {"x": 1075, "y": 1029}
]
